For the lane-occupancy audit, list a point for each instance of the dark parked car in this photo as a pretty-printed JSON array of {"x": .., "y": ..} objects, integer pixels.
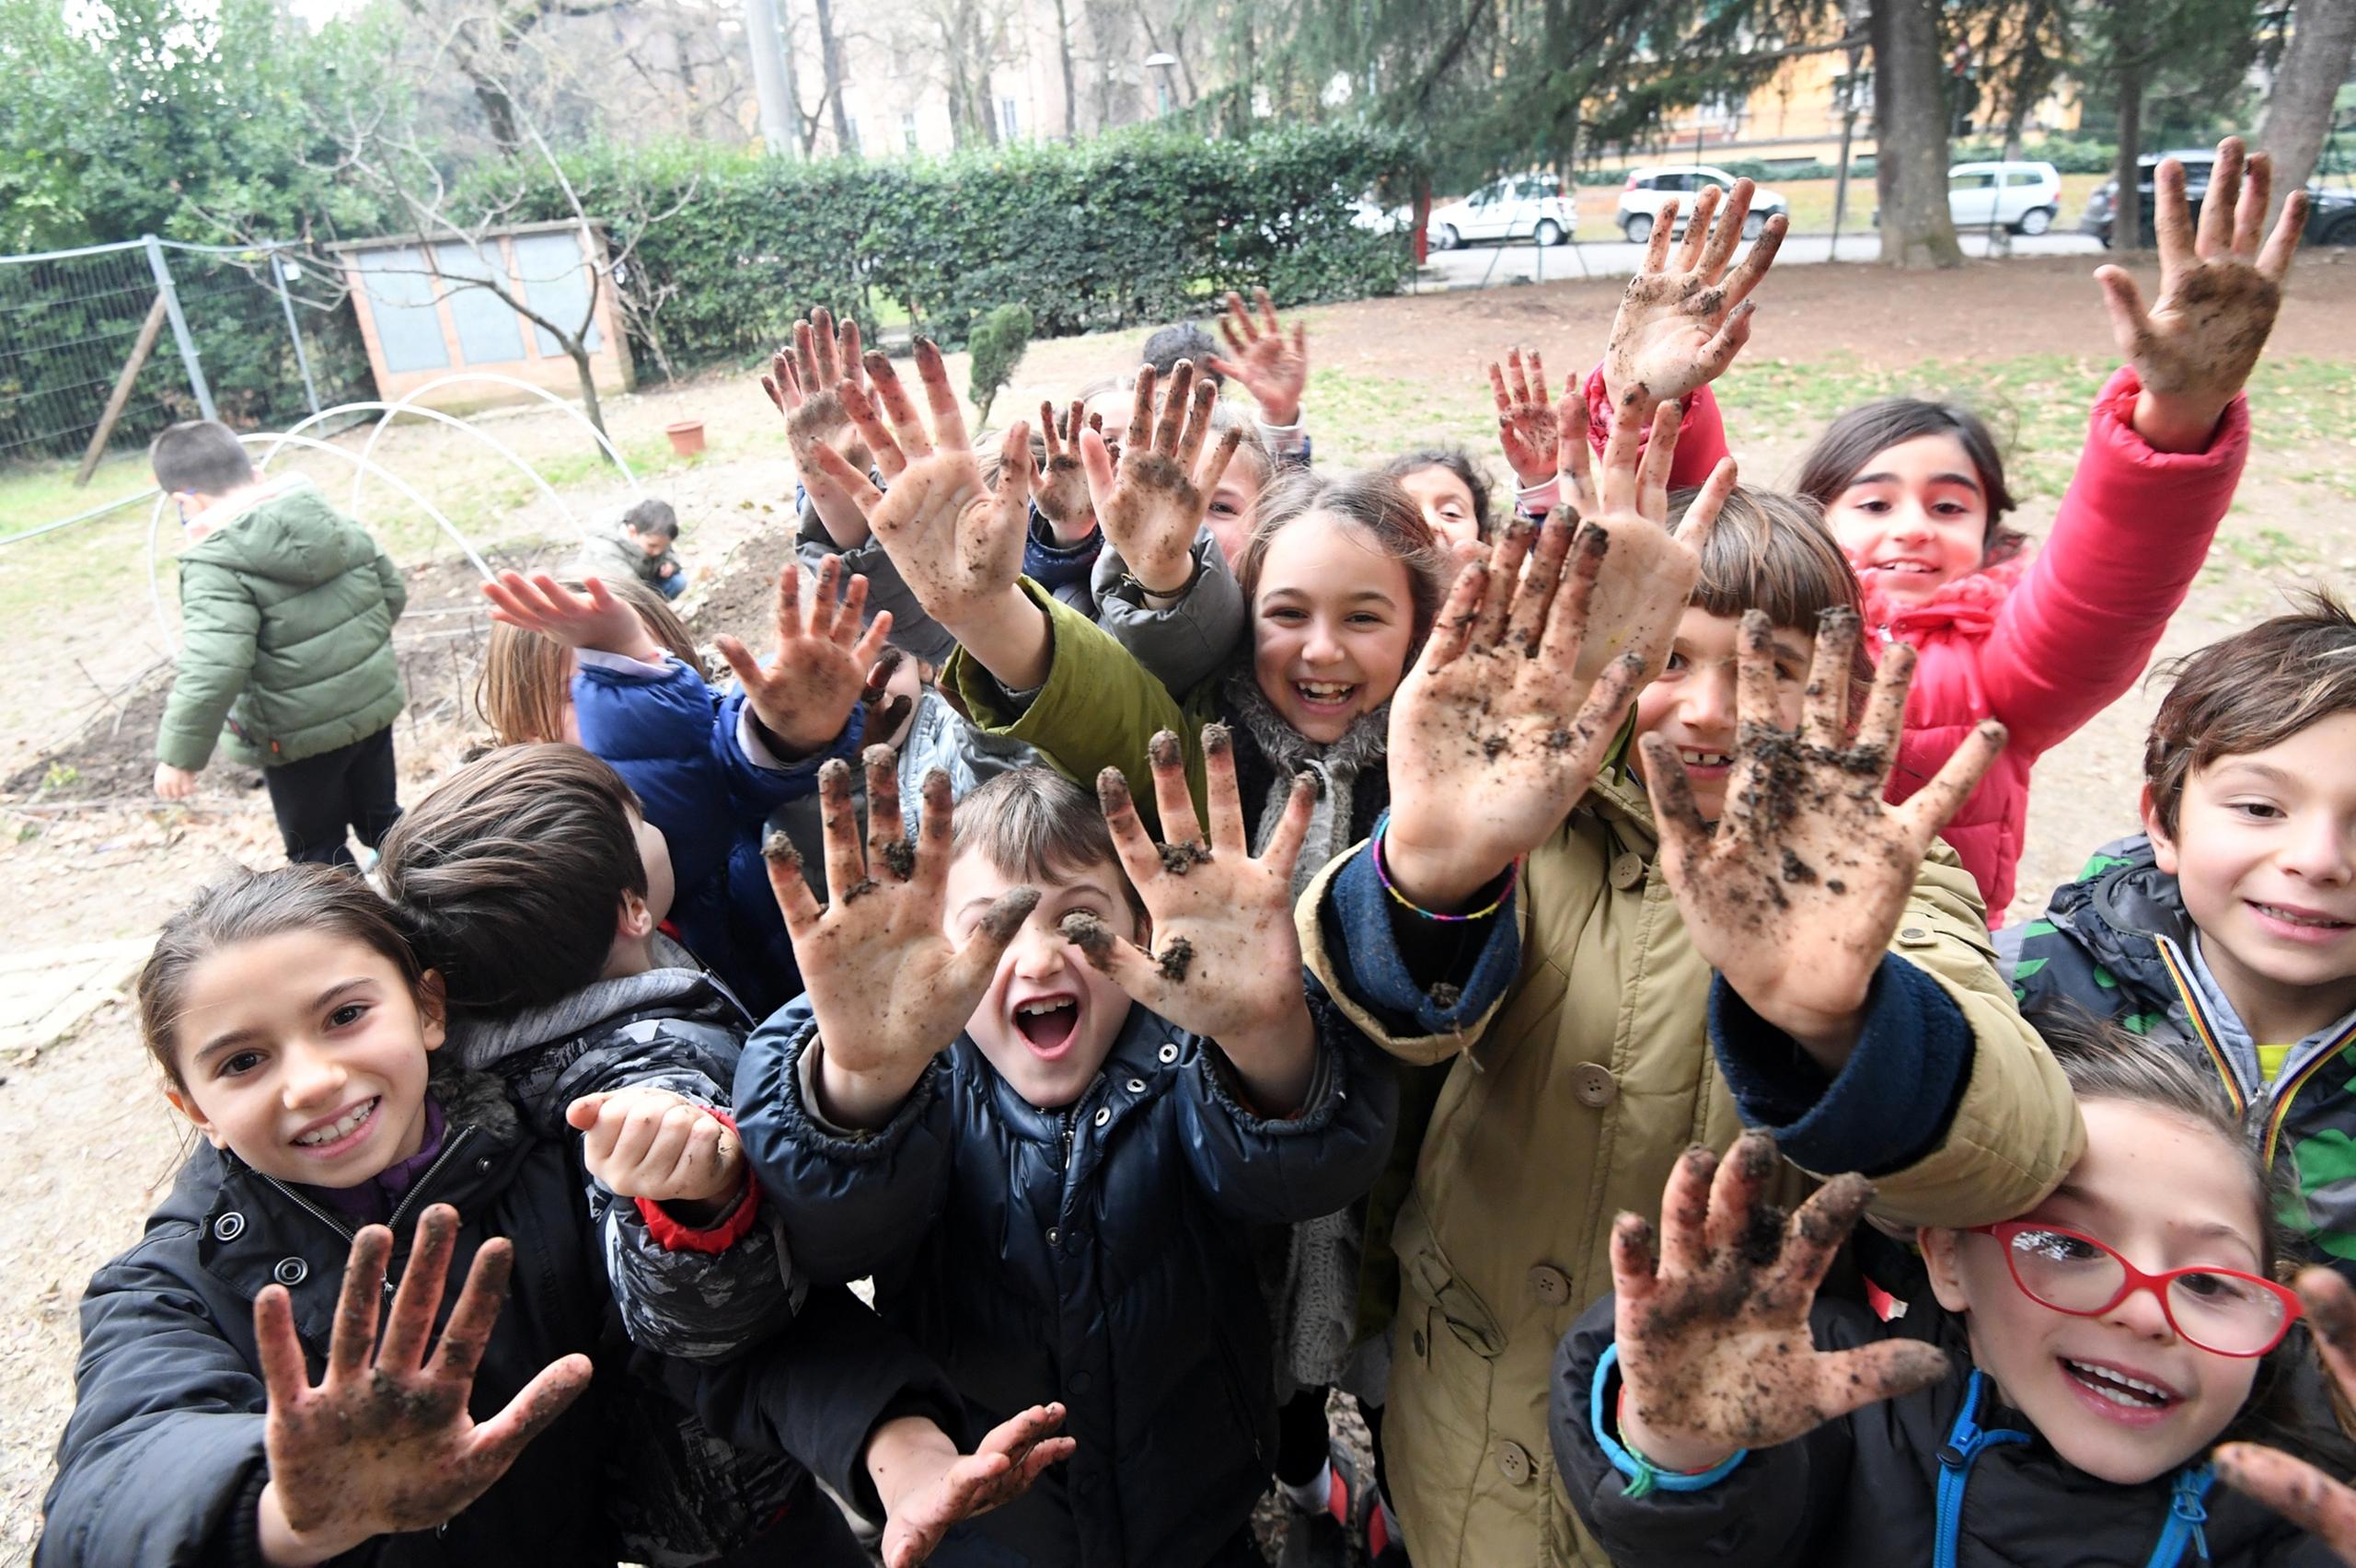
[{"x": 2331, "y": 214}]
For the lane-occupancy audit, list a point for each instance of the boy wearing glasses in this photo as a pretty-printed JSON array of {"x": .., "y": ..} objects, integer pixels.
[{"x": 2227, "y": 928}]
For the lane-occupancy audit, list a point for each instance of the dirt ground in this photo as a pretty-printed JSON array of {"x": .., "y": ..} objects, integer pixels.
[{"x": 85, "y": 1142}]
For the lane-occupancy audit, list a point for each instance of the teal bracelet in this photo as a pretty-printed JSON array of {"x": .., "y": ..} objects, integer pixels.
[{"x": 1644, "y": 1477}]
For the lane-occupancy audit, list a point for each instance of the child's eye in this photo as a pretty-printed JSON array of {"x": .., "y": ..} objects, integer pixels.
[
  {"x": 241, "y": 1062},
  {"x": 1284, "y": 615},
  {"x": 1368, "y": 617},
  {"x": 1675, "y": 664},
  {"x": 2261, "y": 811},
  {"x": 347, "y": 1015}
]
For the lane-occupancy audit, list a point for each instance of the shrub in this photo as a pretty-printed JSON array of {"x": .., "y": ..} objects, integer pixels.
[{"x": 998, "y": 340}]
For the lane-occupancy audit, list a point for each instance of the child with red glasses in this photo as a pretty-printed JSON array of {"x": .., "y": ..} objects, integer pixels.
[{"x": 2050, "y": 1399}]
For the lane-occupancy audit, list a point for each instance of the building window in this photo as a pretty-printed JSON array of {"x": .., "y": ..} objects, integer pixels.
[
  {"x": 909, "y": 129},
  {"x": 1010, "y": 122}
]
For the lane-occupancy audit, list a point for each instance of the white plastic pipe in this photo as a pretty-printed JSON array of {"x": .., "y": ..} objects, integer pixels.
[
  {"x": 461, "y": 377},
  {"x": 390, "y": 410}
]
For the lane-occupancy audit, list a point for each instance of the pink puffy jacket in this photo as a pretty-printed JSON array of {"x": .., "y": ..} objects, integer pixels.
[{"x": 2046, "y": 643}]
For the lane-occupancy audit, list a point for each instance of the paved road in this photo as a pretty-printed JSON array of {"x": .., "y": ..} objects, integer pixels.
[{"x": 1479, "y": 266}]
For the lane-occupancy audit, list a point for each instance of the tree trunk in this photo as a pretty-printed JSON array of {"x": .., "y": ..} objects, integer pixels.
[
  {"x": 595, "y": 411},
  {"x": 830, "y": 74},
  {"x": 1063, "y": 56},
  {"x": 2127, "y": 208},
  {"x": 2297, "y": 116},
  {"x": 1911, "y": 137}
]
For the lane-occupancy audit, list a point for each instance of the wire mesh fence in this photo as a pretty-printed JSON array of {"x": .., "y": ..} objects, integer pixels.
[{"x": 69, "y": 322}]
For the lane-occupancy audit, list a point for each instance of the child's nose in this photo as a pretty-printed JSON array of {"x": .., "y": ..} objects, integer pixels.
[
  {"x": 1710, "y": 703},
  {"x": 2318, "y": 851},
  {"x": 1322, "y": 647},
  {"x": 2142, "y": 1313},
  {"x": 310, "y": 1077}
]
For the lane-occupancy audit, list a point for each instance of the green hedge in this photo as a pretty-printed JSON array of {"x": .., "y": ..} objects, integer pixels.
[{"x": 1136, "y": 227}]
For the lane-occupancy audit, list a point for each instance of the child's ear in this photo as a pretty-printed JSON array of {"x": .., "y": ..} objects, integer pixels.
[
  {"x": 635, "y": 922},
  {"x": 2163, "y": 844},
  {"x": 433, "y": 1008},
  {"x": 186, "y": 1106},
  {"x": 1939, "y": 1261}
]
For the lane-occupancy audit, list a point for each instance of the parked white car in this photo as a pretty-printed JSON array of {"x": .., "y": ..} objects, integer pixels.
[
  {"x": 1520, "y": 206},
  {"x": 2023, "y": 197},
  {"x": 1647, "y": 188}
]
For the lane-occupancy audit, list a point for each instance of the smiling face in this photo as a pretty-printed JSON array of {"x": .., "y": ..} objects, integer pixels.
[
  {"x": 2264, "y": 852},
  {"x": 1692, "y": 702},
  {"x": 303, "y": 1054},
  {"x": 1914, "y": 519},
  {"x": 2148, "y": 1186},
  {"x": 1333, "y": 621},
  {"x": 1446, "y": 502},
  {"x": 1049, "y": 1018},
  {"x": 1235, "y": 507}
]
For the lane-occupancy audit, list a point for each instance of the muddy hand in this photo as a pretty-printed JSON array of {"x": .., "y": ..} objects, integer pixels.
[
  {"x": 1276, "y": 372},
  {"x": 886, "y": 986},
  {"x": 383, "y": 1442},
  {"x": 1714, "y": 1350},
  {"x": 2300, "y": 1491},
  {"x": 1151, "y": 504},
  {"x": 804, "y": 694},
  {"x": 803, "y": 385},
  {"x": 1682, "y": 320},
  {"x": 1062, "y": 494},
  {"x": 952, "y": 1487},
  {"x": 1794, "y": 894},
  {"x": 1528, "y": 427}
]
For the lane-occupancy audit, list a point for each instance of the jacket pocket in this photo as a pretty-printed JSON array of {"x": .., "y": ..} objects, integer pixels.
[{"x": 1434, "y": 1282}]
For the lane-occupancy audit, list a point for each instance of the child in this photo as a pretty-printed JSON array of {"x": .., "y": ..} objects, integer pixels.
[
  {"x": 2053, "y": 1404},
  {"x": 1526, "y": 914},
  {"x": 641, "y": 551},
  {"x": 2227, "y": 930},
  {"x": 708, "y": 767},
  {"x": 287, "y": 609},
  {"x": 298, "y": 1033},
  {"x": 1915, "y": 496},
  {"x": 1051, "y": 1183},
  {"x": 1452, "y": 492}
]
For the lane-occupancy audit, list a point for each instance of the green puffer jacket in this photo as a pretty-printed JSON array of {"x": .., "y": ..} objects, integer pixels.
[{"x": 286, "y": 613}]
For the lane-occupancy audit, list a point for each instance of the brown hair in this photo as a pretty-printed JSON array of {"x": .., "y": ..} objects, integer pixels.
[
  {"x": 200, "y": 457},
  {"x": 652, "y": 516},
  {"x": 2253, "y": 691},
  {"x": 526, "y": 679},
  {"x": 1035, "y": 824},
  {"x": 1376, "y": 504},
  {"x": 510, "y": 874},
  {"x": 1850, "y": 443},
  {"x": 1772, "y": 551},
  {"x": 326, "y": 899}
]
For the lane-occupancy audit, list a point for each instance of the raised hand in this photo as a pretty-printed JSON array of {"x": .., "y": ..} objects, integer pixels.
[
  {"x": 1152, "y": 505},
  {"x": 593, "y": 618},
  {"x": 927, "y": 1485},
  {"x": 1500, "y": 727},
  {"x": 1714, "y": 1350},
  {"x": 1794, "y": 894},
  {"x": 1528, "y": 427},
  {"x": 2300, "y": 1491},
  {"x": 644, "y": 1141},
  {"x": 803, "y": 385},
  {"x": 1062, "y": 495},
  {"x": 2219, "y": 294},
  {"x": 1682, "y": 321},
  {"x": 1229, "y": 968},
  {"x": 1628, "y": 501},
  {"x": 887, "y": 988},
  {"x": 804, "y": 696},
  {"x": 1274, "y": 371},
  {"x": 383, "y": 1442},
  {"x": 957, "y": 543}
]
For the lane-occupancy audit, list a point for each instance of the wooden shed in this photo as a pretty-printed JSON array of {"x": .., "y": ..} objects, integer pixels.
[{"x": 421, "y": 321}]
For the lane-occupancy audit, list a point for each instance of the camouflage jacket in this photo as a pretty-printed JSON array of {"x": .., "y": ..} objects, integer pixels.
[{"x": 2118, "y": 944}]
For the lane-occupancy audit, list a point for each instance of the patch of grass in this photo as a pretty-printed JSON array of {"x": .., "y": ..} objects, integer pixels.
[
  {"x": 34, "y": 494},
  {"x": 2267, "y": 549}
]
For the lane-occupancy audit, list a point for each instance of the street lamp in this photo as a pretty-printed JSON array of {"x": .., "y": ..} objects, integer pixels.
[{"x": 1161, "y": 65}]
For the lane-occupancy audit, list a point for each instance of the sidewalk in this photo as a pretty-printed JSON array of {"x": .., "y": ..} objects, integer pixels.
[{"x": 47, "y": 991}]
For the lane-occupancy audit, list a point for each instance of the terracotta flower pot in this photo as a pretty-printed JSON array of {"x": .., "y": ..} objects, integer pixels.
[{"x": 687, "y": 437}]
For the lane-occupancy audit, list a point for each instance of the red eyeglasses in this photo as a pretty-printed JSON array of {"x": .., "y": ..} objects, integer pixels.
[{"x": 2223, "y": 1312}]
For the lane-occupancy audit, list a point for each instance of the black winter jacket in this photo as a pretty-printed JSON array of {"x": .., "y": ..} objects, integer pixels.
[
  {"x": 1862, "y": 1491},
  {"x": 1098, "y": 1254}
]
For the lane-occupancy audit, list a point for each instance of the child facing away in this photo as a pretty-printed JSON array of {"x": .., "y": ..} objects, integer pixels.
[
  {"x": 286, "y": 646},
  {"x": 644, "y": 550},
  {"x": 2050, "y": 1399},
  {"x": 1046, "y": 1080},
  {"x": 1543, "y": 910},
  {"x": 2226, "y": 930}
]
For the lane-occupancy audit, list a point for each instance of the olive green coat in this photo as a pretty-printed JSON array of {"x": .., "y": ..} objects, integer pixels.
[
  {"x": 1567, "y": 1104},
  {"x": 286, "y": 635}
]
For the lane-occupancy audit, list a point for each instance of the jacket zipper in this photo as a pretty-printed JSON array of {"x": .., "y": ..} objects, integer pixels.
[{"x": 457, "y": 1141}]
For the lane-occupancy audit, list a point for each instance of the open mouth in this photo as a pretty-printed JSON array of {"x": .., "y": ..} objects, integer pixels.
[
  {"x": 1048, "y": 1024},
  {"x": 1904, "y": 568},
  {"x": 1706, "y": 764},
  {"x": 1324, "y": 696},
  {"x": 2118, "y": 1394},
  {"x": 333, "y": 1138},
  {"x": 2300, "y": 919}
]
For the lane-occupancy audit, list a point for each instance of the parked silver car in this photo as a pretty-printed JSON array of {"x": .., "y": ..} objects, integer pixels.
[
  {"x": 1647, "y": 188},
  {"x": 2022, "y": 197}
]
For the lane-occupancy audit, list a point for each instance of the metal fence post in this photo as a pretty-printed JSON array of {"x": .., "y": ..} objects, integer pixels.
[
  {"x": 163, "y": 272},
  {"x": 302, "y": 360}
]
